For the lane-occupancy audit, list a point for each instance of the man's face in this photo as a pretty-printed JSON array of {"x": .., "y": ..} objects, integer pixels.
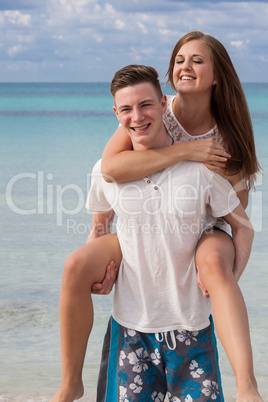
[{"x": 139, "y": 110}]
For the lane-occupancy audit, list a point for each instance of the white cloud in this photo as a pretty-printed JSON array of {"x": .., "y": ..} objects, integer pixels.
[
  {"x": 17, "y": 18},
  {"x": 97, "y": 38},
  {"x": 109, "y": 9},
  {"x": 71, "y": 11},
  {"x": 167, "y": 32},
  {"x": 237, "y": 43},
  {"x": 59, "y": 37},
  {"x": 14, "y": 50},
  {"x": 2, "y": 19},
  {"x": 264, "y": 57},
  {"x": 120, "y": 24},
  {"x": 82, "y": 33},
  {"x": 142, "y": 28},
  {"x": 25, "y": 38}
]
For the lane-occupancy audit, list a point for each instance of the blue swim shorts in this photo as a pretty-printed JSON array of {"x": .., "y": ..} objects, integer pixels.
[{"x": 138, "y": 366}]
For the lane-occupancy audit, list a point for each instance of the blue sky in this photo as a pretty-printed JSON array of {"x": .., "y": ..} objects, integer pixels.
[{"x": 88, "y": 40}]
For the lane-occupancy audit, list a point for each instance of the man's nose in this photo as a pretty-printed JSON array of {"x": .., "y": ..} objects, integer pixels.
[{"x": 137, "y": 115}]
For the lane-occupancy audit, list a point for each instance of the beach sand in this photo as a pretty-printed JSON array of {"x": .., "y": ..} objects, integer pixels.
[{"x": 90, "y": 396}]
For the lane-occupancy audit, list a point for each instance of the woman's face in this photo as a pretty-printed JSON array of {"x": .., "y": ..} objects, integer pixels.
[{"x": 193, "y": 69}]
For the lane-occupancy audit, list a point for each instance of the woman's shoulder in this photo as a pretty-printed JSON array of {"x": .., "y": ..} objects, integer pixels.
[
  {"x": 172, "y": 125},
  {"x": 176, "y": 130}
]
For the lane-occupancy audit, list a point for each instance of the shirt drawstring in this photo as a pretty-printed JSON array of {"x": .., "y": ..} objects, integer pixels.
[{"x": 164, "y": 335}]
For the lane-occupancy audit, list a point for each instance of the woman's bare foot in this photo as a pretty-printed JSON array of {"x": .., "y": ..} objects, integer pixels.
[
  {"x": 68, "y": 393},
  {"x": 248, "y": 394}
]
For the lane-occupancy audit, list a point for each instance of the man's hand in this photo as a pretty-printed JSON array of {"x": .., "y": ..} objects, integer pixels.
[
  {"x": 202, "y": 287},
  {"x": 105, "y": 287}
]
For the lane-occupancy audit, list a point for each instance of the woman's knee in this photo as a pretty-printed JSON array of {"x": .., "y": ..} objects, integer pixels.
[
  {"x": 215, "y": 256},
  {"x": 75, "y": 273},
  {"x": 215, "y": 266}
]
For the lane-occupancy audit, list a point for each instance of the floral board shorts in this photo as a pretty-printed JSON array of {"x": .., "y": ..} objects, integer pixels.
[{"x": 138, "y": 366}]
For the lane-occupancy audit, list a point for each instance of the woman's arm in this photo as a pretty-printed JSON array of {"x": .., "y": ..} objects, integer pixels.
[
  {"x": 120, "y": 164},
  {"x": 237, "y": 181},
  {"x": 240, "y": 187}
]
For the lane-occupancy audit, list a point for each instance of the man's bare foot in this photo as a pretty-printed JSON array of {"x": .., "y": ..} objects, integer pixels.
[{"x": 68, "y": 394}]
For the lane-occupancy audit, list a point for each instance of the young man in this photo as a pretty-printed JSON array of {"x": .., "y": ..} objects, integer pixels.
[{"x": 160, "y": 338}]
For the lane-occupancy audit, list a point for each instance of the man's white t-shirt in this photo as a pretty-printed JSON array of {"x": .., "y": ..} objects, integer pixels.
[
  {"x": 178, "y": 133},
  {"x": 160, "y": 220}
]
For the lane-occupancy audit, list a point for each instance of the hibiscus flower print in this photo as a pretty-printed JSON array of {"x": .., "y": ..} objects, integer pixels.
[
  {"x": 155, "y": 357},
  {"x": 139, "y": 360},
  {"x": 187, "y": 337},
  {"x": 196, "y": 371},
  {"x": 173, "y": 398},
  {"x": 122, "y": 356},
  {"x": 136, "y": 386},
  {"x": 158, "y": 397},
  {"x": 188, "y": 399},
  {"x": 192, "y": 389},
  {"x": 211, "y": 389},
  {"x": 123, "y": 394},
  {"x": 129, "y": 335},
  {"x": 129, "y": 332}
]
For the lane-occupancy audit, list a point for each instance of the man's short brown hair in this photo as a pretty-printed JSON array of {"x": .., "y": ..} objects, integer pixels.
[{"x": 134, "y": 74}]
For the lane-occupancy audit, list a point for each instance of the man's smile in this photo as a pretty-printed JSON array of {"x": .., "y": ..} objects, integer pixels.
[{"x": 140, "y": 128}]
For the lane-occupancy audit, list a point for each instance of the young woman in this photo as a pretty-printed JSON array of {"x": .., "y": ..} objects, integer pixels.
[{"x": 209, "y": 116}]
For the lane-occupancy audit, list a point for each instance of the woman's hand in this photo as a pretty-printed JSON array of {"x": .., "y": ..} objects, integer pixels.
[
  {"x": 105, "y": 287},
  {"x": 220, "y": 170},
  {"x": 234, "y": 179},
  {"x": 209, "y": 151}
]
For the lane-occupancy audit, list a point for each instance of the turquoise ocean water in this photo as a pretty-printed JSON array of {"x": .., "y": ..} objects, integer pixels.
[{"x": 51, "y": 136}]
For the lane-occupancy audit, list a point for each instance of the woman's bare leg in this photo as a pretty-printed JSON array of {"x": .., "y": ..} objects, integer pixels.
[
  {"x": 215, "y": 256},
  {"x": 84, "y": 267}
]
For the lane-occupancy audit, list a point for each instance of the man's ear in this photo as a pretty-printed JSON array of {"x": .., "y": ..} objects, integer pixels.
[
  {"x": 114, "y": 109},
  {"x": 163, "y": 104}
]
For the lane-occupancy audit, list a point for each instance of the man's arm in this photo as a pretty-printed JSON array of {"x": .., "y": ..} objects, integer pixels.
[
  {"x": 102, "y": 225},
  {"x": 243, "y": 234}
]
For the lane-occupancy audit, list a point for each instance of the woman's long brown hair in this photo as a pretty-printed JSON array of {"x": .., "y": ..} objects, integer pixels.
[{"x": 228, "y": 107}]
